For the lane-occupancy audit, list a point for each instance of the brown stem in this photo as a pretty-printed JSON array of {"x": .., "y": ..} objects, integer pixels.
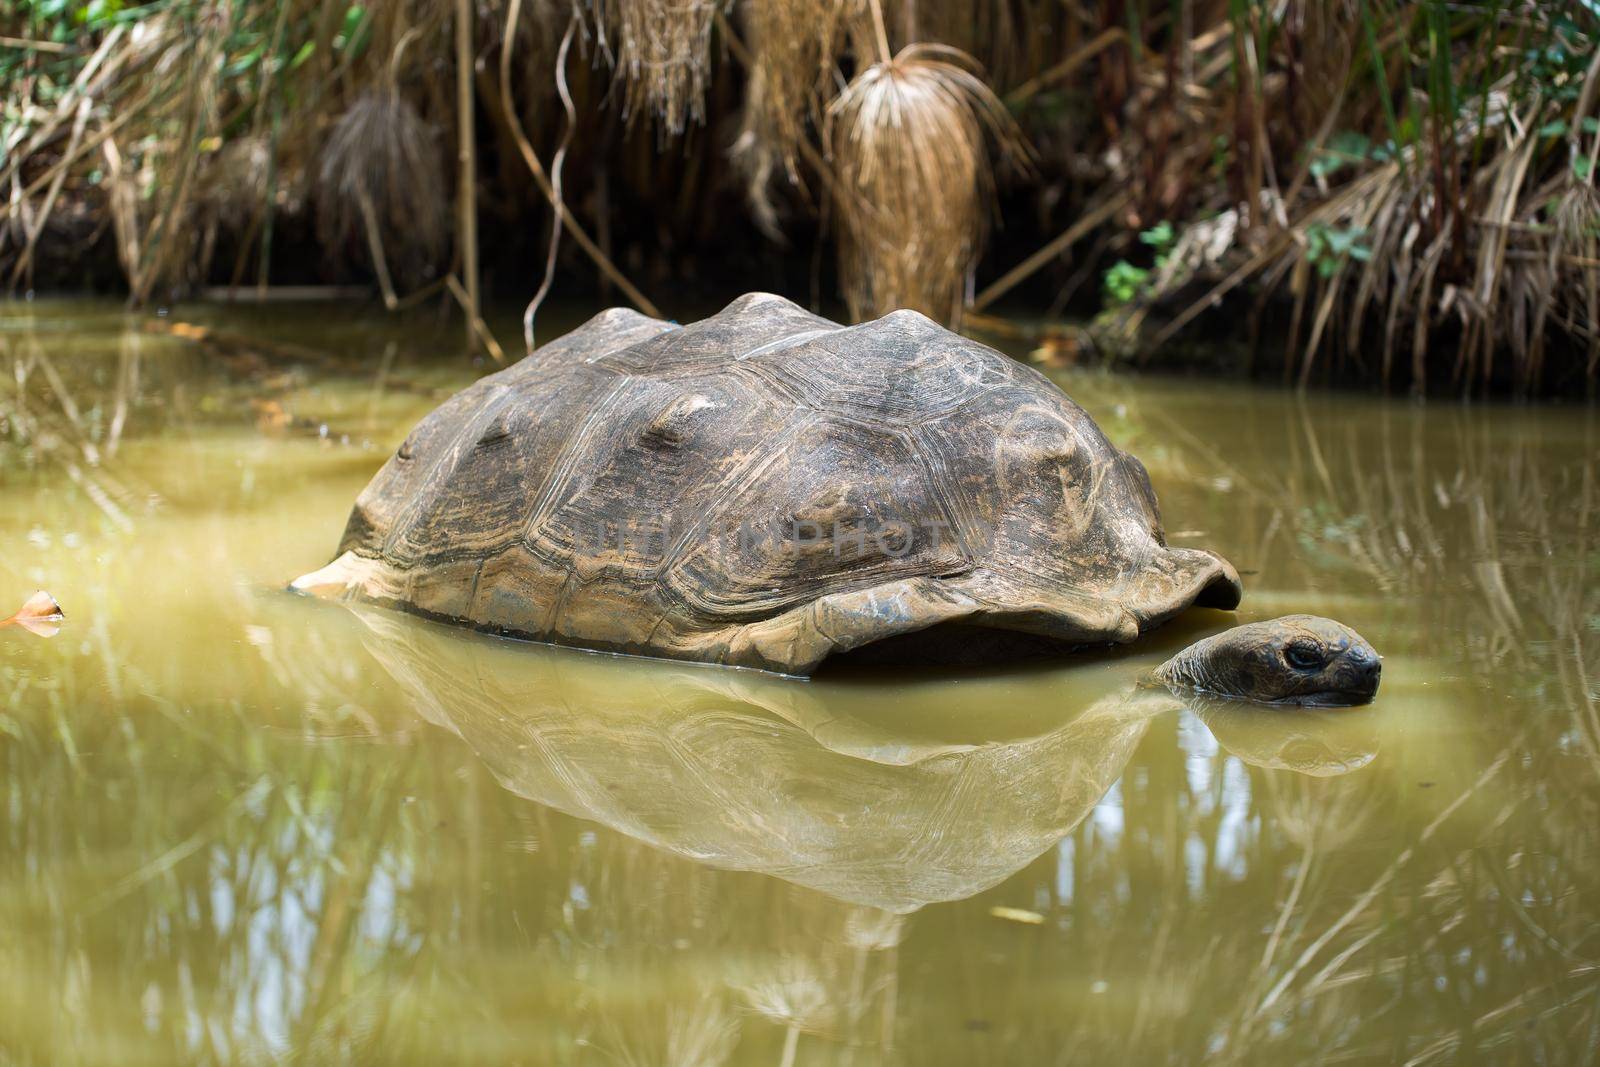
[
  {"x": 1061, "y": 243},
  {"x": 467, "y": 193},
  {"x": 380, "y": 263},
  {"x": 555, "y": 185},
  {"x": 882, "y": 31},
  {"x": 531, "y": 158},
  {"x": 1103, "y": 40},
  {"x": 24, "y": 263},
  {"x": 475, "y": 323}
]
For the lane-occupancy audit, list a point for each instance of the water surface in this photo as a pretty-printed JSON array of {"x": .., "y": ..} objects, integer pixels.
[{"x": 238, "y": 826}]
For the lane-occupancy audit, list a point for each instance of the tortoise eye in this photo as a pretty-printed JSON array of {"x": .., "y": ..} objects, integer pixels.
[
  {"x": 1303, "y": 656},
  {"x": 408, "y": 449}
]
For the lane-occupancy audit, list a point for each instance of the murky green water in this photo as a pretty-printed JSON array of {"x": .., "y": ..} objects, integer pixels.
[{"x": 238, "y": 826}]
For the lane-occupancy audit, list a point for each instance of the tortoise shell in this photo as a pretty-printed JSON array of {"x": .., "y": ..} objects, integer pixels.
[{"x": 766, "y": 488}]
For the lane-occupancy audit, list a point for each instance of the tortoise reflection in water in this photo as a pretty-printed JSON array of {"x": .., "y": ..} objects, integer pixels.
[
  {"x": 766, "y": 488},
  {"x": 808, "y": 783}
]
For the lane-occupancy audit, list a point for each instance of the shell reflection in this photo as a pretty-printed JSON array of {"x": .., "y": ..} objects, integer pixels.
[{"x": 742, "y": 771}]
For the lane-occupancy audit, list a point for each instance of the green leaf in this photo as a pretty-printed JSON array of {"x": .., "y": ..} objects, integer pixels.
[
  {"x": 1590, "y": 125},
  {"x": 1350, "y": 143},
  {"x": 96, "y": 14},
  {"x": 354, "y": 16},
  {"x": 1343, "y": 148},
  {"x": 1158, "y": 236},
  {"x": 1124, "y": 281},
  {"x": 357, "y": 32},
  {"x": 1328, "y": 249},
  {"x": 1558, "y": 128},
  {"x": 1581, "y": 167},
  {"x": 245, "y": 62}
]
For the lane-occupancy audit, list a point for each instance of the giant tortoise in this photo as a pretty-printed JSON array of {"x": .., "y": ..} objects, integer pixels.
[{"x": 766, "y": 488}]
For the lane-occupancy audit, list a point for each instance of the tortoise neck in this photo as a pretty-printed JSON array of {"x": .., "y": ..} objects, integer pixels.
[{"x": 1194, "y": 668}]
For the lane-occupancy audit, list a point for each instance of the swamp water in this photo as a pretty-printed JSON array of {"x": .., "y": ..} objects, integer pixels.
[{"x": 238, "y": 826}]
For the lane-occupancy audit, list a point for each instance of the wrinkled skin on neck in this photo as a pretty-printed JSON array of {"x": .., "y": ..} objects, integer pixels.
[{"x": 1298, "y": 659}]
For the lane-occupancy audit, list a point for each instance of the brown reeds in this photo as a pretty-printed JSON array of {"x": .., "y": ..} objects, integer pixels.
[
  {"x": 793, "y": 48},
  {"x": 1412, "y": 182},
  {"x": 1445, "y": 194},
  {"x": 663, "y": 51}
]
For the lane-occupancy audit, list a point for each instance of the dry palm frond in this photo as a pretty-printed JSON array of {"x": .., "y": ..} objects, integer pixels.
[
  {"x": 380, "y": 172},
  {"x": 1511, "y": 281},
  {"x": 663, "y": 51},
  {"x": 915, "y": 181},
  {"x": 794, "y": 45}
]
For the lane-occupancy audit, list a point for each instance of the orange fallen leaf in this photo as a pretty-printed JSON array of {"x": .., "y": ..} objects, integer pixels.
[
  {"x": 270, "y": 415},
  {"x": 188, "y": 331},
  {"x": 41, "y": 615},
  {"x": 1057, "y": 351}
]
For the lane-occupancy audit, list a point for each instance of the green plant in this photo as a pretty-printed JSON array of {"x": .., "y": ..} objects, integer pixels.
[
  {"x": 1160, "y": 237},
  {"x": 1328, "y": 249},
  {"x": 1347, "y": 148},
  {"x": 1124, "y": 282}
]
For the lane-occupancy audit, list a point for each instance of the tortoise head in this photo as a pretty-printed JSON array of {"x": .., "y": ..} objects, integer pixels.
[{"x": 1298, "y": 659}]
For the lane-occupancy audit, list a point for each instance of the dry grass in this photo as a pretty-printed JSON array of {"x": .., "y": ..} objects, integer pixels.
[
  {"x": 794, "y": 47},
  {"x": 1497, "y": 276},
  {"x": 663, "y": 51},
  {"x": 1414, "y": 179},
  {"x": 911, "y": 139},
  {"x": 1456, "y": 242}
]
